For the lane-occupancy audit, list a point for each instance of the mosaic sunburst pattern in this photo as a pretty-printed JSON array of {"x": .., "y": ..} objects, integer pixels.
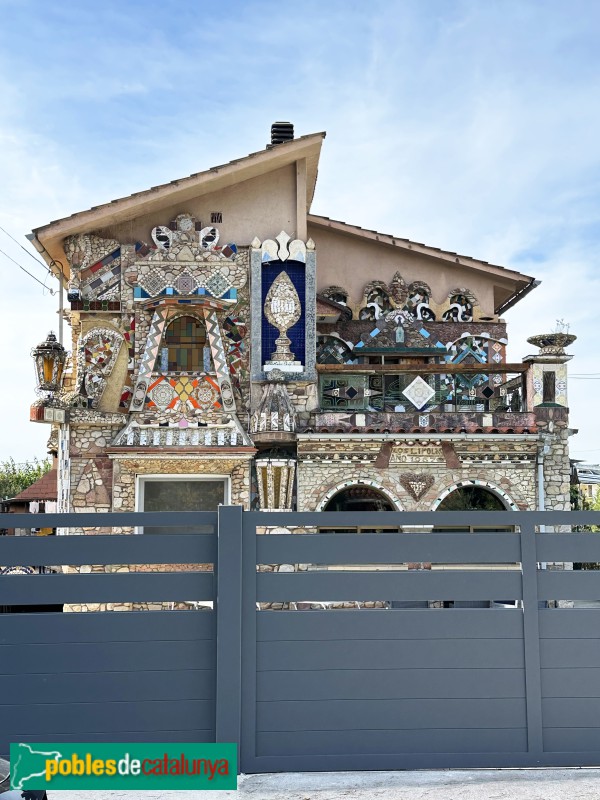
[{"x": 182, "y": 391}]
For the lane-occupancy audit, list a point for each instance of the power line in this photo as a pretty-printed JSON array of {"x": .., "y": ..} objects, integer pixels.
[
  {"x": 27, "y": 272},
  {"x": 29, "y": 253}
]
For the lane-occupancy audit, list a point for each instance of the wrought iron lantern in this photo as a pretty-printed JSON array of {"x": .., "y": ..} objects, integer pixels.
[{"x": 49, "y": 358}]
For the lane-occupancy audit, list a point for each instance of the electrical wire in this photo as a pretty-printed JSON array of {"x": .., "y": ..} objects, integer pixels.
[
  {"x": 29, "y": 253},
  {"x": 52, "y": 291}
]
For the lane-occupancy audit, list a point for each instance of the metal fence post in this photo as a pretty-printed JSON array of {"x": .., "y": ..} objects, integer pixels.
[
  {"x": 229, "y": 626},
  {"x": 531, "y": 634}
]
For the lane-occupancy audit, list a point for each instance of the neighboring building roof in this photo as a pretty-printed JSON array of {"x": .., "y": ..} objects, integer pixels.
[
  {"x": 48, "y": 238},
  {"x": 46, "y": 488},
  {"x": 524, "y": 283},
  {"x": 588, "y": 473}
]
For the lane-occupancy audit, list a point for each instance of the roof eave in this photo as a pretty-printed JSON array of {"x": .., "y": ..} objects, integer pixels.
[
  {"x": 48, "y": 239},
  {"x": 422, "y": 249}
]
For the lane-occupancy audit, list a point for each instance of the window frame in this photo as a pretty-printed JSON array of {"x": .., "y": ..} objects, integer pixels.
[{"x": 142, "y": 479}]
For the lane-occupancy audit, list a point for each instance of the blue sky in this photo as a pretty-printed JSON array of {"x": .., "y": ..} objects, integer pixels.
[{"x": 471, "y": 126}]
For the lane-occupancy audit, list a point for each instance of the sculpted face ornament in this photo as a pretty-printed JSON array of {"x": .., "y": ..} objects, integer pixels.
[{"x": 282, "y": 309}]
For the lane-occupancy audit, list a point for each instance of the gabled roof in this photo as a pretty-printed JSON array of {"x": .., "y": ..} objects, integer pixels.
[
  {"x": 48, "y": 238},
  {"x": 523, "y": 283},
  {"x": 45, "y": 488}
]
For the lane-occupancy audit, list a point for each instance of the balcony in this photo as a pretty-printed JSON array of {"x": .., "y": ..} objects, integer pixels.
[{"x": 429, "y": 398}]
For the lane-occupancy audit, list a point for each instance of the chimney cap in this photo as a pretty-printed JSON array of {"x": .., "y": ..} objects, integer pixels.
[{"x": 282, "y": 132}]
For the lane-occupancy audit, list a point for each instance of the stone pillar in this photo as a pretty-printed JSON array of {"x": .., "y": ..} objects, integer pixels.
[{"x": 547, "y": 393}]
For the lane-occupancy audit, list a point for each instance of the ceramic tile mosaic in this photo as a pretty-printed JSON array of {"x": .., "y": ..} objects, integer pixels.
[
  {"x": 461, "y": 309},
  {"x": 219, "y": 359},
  {"x": 418, "y": 392},
  {"x": 176, "y": 393},
  {"x": 296, "y": 274}
]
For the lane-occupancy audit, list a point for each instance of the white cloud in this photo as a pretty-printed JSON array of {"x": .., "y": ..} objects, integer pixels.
[{"x": 470, "y": 126}]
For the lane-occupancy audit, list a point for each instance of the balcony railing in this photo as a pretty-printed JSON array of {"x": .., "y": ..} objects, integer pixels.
[{"x": 425, "y": 392}]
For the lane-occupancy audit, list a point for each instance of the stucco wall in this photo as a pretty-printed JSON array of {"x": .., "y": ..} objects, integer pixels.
[{"x": 350, "y": 262}]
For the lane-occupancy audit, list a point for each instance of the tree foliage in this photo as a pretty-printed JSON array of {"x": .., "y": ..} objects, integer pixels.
[{"x": 15, "y": 477}]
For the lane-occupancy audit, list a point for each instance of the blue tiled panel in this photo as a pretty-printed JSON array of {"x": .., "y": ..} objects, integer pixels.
[{"x": 296, "y": 273}]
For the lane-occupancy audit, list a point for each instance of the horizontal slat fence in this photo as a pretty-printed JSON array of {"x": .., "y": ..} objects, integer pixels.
[
  {"x": 430, "y": 678},
  {"x": 103, "y": 676},
  {"x": 401, "y": 687}
]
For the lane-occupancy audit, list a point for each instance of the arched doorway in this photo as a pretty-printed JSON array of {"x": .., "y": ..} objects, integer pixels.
[
  {"x": 472, "y": 497},
  {"x": 359, "y": 498}
]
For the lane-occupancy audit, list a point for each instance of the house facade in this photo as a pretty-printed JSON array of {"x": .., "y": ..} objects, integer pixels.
[{"x": 228, "y": 346}]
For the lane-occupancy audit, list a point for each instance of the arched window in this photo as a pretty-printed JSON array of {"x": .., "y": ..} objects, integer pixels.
[
  {"x": 184, "y": 345},
  {"x": 471, "y": 498},
  {"x": 333, "y": 350},
  {"x": 359, "y": 498}
]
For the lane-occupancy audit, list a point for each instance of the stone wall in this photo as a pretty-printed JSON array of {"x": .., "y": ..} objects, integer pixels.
[
  {"x": 317, "y": 481},
  {"x": 554, "y": 435},
  {"x": 127, "y": 467}
]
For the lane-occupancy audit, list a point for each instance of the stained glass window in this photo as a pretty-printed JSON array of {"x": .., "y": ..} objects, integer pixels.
[{"x": 183, "y": 346}]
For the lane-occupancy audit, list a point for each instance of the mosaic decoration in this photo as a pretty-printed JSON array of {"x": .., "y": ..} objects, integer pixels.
[
  {"x": 282, "y": 309},
  {"x": 127, "y": 390},
  {"x": 217, "y": 285},
  {"x": 181, "y": 392},
  {"x": 556, "y": 376},
  {"x": 461, "y": 308},
  {"x": 469, "y": 350},
  {"x": 95, "y": 268},
  {"x": 148, "y": 360},
  {"x": 275, "y": 411},
  {"x": 161, "y": 394},
  {"x": 336, "y": 294},
  {"x": 218, "y": 353},
  {"x": 298, "y": 261},
  {"x": 416, "y": 485},
  {"x": 208, "y": 394},
  {"x": 207, "y": 279},
  {"x": 184, "y": 239},
  {"x": 377, "y": 301},
  {"x": 471, "y": 391},
  {"x": 235, "y": 330},
  {"x": 96, "y": 356},
  {"x": 182, "y": 433},
  {"x": 209, "y": 238},
  {"x": 284, "y": 248},
  {"x": 352, "y": 392},
  {"x": 333, "y": 350},
  {"x": 398, "y": 290},
  {"x": 162, "y": 237},
  {"x": 402, "y": 393},
  {"x": 185, "y": 283},
  {"x": 414, "y": 299},
  {"x": 417, "y": 303},
  {"x": 419, "y": 393},
  {"x": 275, "y": 477}
]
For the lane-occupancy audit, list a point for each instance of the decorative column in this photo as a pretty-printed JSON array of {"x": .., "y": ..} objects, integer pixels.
[
  {"x": 275, "y": 476},
  {"x": 547, "y": 394}
]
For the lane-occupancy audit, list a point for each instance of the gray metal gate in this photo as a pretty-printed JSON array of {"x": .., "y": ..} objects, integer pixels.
[
  {"x": 109, "y": 675},
  {"x": 401, "y": 688},
  {"x": 386, "y": 688}
]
